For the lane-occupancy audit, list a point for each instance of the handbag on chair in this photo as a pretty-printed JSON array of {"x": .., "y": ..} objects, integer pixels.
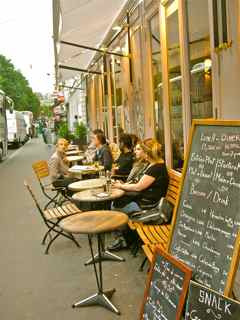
[{"x": 162, "y": 214}]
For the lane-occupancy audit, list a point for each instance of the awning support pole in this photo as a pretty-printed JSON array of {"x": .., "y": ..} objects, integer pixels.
[
  {"x": 78, "y": 69},
  {"x": 129, "y": 48},
  {"x": 92, "y": 49}
]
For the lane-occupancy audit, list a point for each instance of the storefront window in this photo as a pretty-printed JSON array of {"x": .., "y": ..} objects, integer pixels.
[
  {"x": 116, "y": 96},
  {"x": 157, "y": 77},
  {"x": 175, "y": 89},
  {"x": 200, "y": 60},
  {"x": 138, "y": 83}
]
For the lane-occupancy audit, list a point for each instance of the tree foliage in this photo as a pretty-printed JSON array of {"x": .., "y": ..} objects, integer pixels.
[{"x": 16, "y": 86}]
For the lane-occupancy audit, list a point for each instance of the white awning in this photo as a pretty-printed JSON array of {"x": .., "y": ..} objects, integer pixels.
[{"x": 85, "y": 22}]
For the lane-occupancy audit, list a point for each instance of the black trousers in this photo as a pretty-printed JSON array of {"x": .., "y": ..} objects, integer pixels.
[{"x": 63, "y": 183}]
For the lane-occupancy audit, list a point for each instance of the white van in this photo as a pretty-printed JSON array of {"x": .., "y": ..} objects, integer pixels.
[
  {"x": 17, "y": 133},
  {"x": 28, "y": 117}
]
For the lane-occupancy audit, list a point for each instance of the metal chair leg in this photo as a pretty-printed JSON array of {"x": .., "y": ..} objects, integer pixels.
[
  {"x": 50, "y": 243},
  {"x": 59, "y": 232},
  {"x": 143, "y": 264},
  {"x": 48, "y": 233}
]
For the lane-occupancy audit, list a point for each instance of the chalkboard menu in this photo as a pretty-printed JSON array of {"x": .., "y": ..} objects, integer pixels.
[
  {"x": 166, "y": 288},
  {"x": 207, "y": 217},
  {"x": 206, "y": 304}
]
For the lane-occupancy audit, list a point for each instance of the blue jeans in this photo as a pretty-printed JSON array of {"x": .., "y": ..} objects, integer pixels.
[{"x": 129, "y": 208}]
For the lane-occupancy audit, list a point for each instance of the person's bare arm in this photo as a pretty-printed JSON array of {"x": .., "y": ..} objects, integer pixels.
[{"x": 145, "y": 182}]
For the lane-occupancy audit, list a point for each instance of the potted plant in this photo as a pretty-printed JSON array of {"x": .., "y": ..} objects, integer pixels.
[
  {"x": 80, "y": 134},
  {"x": 64, "y": 132}
]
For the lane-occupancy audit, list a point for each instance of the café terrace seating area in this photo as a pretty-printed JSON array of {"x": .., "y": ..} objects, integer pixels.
[{"x": 84, "y": 210}]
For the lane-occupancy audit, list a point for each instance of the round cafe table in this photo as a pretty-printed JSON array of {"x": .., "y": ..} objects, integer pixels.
[
  {"x": 74, "y": 159},
  {"x": 73, "y": 153},
  {"x": 80, "y": 170},
  {"x": 72, "y": 147},
  {"x": 98, "y": 195},
  {"x": 100, "y": 199},
  {"x": 96, "y": 223},
  {"x": 87, "y": 184}
]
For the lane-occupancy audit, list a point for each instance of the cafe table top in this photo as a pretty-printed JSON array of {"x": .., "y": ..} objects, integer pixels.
[
  {"x": 85, "y": 169},
  {"x": 73, "y": 152},
  {"x": 98, "y": 195},
  {"x": 87, "y": 184},
  {"x": 94, "y": 222},
  {"x": 72, "y": 147},
  {"x": 74, "y": 158}
]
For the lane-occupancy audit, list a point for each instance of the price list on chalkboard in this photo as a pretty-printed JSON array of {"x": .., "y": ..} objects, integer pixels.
[
  {"x": 208, "y": 212},
  {"x": 168, "y": 283}
]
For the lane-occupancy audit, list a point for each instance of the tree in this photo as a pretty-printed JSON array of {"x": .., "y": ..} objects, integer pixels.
[{"x": 16, "y": 86}]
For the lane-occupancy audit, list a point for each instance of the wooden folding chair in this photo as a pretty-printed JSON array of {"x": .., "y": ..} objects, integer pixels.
[
  {"x": 41, "y": 170},
  {"x": 52, "y": 218}
]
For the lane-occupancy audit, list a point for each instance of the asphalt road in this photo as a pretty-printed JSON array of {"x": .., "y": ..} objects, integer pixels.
[{"x": 35, "y": 286}]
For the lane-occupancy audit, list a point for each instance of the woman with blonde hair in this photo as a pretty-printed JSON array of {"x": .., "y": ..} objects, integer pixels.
[
  {"x": 149, "y": 189},
  {"x": 58, "y": 167}
]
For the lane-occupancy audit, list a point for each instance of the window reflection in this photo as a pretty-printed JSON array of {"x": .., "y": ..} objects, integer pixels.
[
  {"x": 157, "y": 77},
  {"x": 200, "y": 62},
  {"x": 175, "y": 90}
]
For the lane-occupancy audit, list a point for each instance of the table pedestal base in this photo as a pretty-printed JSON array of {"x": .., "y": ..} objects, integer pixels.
[
  {"x": 105, "y": 256},
  {"x": 101, "y": 298}
]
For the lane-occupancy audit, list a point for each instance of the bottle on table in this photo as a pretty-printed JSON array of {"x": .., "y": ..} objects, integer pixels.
[{"x": 108, "y": 181}]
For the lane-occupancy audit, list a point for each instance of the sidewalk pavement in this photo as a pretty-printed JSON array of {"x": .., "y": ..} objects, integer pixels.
[{"x": 35, "y": 286}]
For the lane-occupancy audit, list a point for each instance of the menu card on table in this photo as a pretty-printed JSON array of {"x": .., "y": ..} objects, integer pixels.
[{"x": 207, "y": 216}]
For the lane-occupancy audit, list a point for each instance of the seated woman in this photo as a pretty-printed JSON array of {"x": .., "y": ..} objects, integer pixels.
[
  {"x": 58, "y": 167},
  {"x": 125, "y": 161},
  {"x": 139, "y": 166},
  {"x": 103, "y": 154},
  {"x": 150, "y": 188}
]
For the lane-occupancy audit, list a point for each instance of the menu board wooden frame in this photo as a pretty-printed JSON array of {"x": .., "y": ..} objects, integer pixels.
[
  {"x": 236, "y": 250},
  {"x": 178, "y": 264}
]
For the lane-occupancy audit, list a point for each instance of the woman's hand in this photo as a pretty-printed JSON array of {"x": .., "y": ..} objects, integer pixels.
[
  {"x": 65, "y": 160},
  {"x": 117, "y": 184}
]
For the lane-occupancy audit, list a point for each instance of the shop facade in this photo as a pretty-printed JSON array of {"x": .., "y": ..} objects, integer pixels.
[{"x": 162, "y": 64}]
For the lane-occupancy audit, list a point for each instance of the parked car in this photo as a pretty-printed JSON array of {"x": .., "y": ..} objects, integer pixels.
[
  {"x": 28, "y": 117},
  {"x": 6, "y": 103},
  {"x": 17, "y": 132}
]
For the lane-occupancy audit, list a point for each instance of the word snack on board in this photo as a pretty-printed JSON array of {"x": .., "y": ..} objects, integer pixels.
[{"x": 206, "y": 304}]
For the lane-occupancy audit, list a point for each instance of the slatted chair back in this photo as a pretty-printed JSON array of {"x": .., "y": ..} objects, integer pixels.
[
  {"x": 41, "y": 169},
  {"x": 26, "y": 184},
  {"x": 173, "y": 186}
]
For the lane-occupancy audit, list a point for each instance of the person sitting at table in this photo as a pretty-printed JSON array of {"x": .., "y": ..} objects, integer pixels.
[
  {"x": 103, "y": 154},
  {"x": 91, "y": 149},
  {"x": 149, "y": 189},
  {"x": 134, "y": 139},
  {"x": 124, "y": 163},
  {"x": 139, "y": 166},
  {"x": 58, "y": 167}
]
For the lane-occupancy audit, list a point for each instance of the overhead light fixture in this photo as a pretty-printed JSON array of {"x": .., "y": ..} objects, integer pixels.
[
  {"x": 207, "y": 65},
  {"x": 117, "y": 49}
]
